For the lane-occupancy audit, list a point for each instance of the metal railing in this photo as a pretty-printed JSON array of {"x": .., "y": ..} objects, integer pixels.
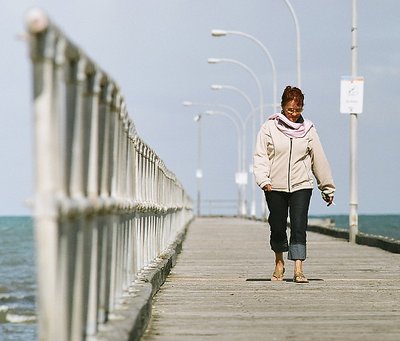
[
  {"x": 219, "y": 207},
  {"x": 105, "y": 205}
]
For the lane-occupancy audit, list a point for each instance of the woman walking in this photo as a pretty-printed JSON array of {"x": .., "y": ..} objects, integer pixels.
[{"x": 288, "y": 153}]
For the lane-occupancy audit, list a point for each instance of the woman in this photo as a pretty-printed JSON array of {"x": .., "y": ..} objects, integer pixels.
[{"x": 288, "y": 152}]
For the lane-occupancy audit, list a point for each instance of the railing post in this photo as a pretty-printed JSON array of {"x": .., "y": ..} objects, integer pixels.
[
  {"x": 93, "y": 193},
  {"x": 46, "y": 227}
]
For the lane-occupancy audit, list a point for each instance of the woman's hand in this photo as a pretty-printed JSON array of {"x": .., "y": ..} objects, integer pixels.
[
  {"x": 267, "y": 188},
  {"x": 328, "y": 199}
]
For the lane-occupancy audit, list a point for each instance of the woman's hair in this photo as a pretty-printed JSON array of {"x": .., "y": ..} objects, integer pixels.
[{"x": 292, "y": 94}]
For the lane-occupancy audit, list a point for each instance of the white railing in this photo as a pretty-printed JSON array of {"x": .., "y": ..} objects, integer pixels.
[{"x": 105, "y": 205}]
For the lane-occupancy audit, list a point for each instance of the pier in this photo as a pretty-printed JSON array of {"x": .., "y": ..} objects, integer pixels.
[
  {"x": 121, "y": 255},
  {"x": 220, "y": 289}
]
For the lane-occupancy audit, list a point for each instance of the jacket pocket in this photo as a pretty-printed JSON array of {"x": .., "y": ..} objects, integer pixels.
[
  {"x": 305, "y": 182},
  {"x": 301, "y": 174}
]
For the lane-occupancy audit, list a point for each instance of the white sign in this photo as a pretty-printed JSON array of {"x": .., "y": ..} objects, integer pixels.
[
  {"x": 199, "y": 174},
  {"x": 251, "y": 170},
  {"x": 241, "y": 178},
  {"x": 351, "y": 95}
]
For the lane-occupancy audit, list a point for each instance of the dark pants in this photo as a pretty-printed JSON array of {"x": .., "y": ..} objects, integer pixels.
[{"x": 296, "y": 204}]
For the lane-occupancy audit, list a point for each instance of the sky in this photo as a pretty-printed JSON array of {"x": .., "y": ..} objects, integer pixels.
[{"x": 157, "y": 51}]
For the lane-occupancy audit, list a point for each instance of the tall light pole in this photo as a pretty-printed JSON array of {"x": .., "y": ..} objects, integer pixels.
[
  {"x": 261, "y": 98},
  {"x": 222, "y": 33},
  {"x": 238, "y": 127},
  {"x": 241, "y": 207},
  {"x": 353, "y": 216},
  {"x": 215, "y": 105},
  {"x": 251, "y": 72},
  {"x": 251, "y": 116},
  {"x": 233, "y": 88},
  {"x": 298, "y": 52},
  {"x": 241, "y": 182},
  {"x": 199, "y": 171}
]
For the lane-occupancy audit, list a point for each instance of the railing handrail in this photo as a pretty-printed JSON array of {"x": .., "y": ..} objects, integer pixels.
[{"x": 105, "y": 204}]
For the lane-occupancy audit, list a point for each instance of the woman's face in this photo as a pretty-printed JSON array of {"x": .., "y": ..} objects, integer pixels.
[{"x": 292, "y": 110}]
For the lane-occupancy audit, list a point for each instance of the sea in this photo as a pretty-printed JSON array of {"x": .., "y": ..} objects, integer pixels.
[
  {"x": 18, "y": 277},
  {"x": 17, "y": 280}
]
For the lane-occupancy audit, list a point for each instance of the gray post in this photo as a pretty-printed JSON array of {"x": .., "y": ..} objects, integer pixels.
[
  {"x": 199, "y": 174},
  {"x": 298, "y": 48},
  {"x": 353, "y": 216}
]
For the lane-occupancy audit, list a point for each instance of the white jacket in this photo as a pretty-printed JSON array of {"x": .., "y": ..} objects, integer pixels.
[{"x": 288, "y": 164}]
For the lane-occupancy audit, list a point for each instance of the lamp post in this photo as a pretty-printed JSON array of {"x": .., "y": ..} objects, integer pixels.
[
  {"x": 261, "y": 99},
  {"x": 199, "y": 171},
  {"x": 251, "y": 72},
  {"x": 233, "y": 88},
  {"x": 216, "y": 105},
  {"x": 298, "y": 52},
  {"x": 353, "y": 216},
  {"x": 241, "y": 137},
  {"x": 239, "y": 128},
  {"x": 241, "y": 180},
  {"x": 251, "y": 115},
  {"x": 222, "y": 33}
]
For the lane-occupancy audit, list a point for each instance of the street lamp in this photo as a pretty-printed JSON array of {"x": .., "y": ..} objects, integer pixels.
[
  {"x": 216, "y": 105},
  {"x": 241, "y": 137},
  {"x": 239, "y": 129},
  {"x": 353, "y": 214},
  {"x": 250, "y": 71},
  {"x": 199, "y": 171},
  {"x": 233, "y": 88},
  {"x": 222, "y": 33},
  {"x": 296, "y": 23},
  {"x": 251, "y": 115},
  {"x": 241, "y": 175}
]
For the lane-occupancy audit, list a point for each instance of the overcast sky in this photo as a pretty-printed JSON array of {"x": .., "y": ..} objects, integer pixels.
[{"x": 157, "y": 51}]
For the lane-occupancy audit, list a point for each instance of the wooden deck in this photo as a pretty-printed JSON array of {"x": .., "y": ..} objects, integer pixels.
[{"x": 220, "y": 289}]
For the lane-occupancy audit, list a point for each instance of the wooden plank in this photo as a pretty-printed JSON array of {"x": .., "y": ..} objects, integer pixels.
[{"x": 220, "y": 289}]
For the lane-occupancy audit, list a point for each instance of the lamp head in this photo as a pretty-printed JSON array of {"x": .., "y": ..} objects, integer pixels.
[
  {"x": 214, "y": 112},
  {"x": 213, "y": 60},
  {"x": 218, "y": 33},
  {"x": 216, "y": 87},
  {"x": 187, "y": 103}
]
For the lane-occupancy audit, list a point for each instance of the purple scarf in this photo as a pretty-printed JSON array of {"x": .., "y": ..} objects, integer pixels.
[{"x": 289, "y": 128}]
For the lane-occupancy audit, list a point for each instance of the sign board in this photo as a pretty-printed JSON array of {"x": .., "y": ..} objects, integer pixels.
[
  {"x": 351, "y": 95},
  {"x": 241, "y": 178},
  {"x": 199, "y": 174},
  {"x": 251, "y": 169}
]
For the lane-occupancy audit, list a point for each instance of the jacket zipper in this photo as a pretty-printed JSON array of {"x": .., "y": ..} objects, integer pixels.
[{"x": 290, "y": 158}]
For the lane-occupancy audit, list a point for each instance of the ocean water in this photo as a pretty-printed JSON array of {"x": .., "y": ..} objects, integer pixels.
[
  {"x": 380, "y": 225},
  {"x": 18, "y": 277},
  {"x": 17, "y": 280}
]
